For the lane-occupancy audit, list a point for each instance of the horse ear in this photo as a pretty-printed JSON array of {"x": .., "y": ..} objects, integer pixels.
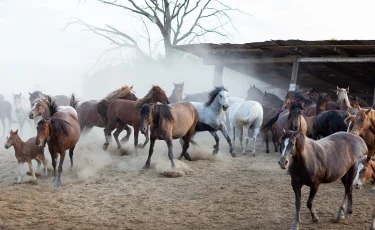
[
  {"x": 30, "y": 93},
  {"x": 347, "y": 90},
  {"x": 13, "y": 95},
  {"x": 368, "y": 111},
  {"x": 368, "y": 158},
  {"x": 16, "y": 132},
  {"x": 338, "y": 89},
  {"x": 174, "y": 84}
]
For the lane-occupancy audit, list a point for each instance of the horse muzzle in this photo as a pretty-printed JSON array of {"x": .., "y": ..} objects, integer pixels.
[
  {"x": 39, "y": 143},
  {"x": 143, "y": 130},
  {"x": 31, "y": 116},
  {"x": 358, "y": 185},
  {"x": 225, "y": 107},
  {"x": 6, "y": 146},
  {"x": 283, "y": 164}
]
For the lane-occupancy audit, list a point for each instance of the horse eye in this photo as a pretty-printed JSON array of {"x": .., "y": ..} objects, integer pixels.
[{"x": 221, "y": 95}]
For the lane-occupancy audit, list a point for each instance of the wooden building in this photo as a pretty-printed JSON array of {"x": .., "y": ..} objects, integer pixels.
[{"x": 297, "y": 64}]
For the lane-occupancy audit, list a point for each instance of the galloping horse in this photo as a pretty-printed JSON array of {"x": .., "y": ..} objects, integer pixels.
[
  {"x": 89, "y": 117},
  {"x": 212, "y": 116},
  {"x": 59, "y": 99},
  {"x": 248, "y": 115},
  {"x": 177, "y": 92},
  {"x": 169, "y": 122},
  {"x": 324, "y": 161},
  {"x": 59, "y": 128},
  {"x": 22, "y": 107},
  {"x": 125, "y": 112}
]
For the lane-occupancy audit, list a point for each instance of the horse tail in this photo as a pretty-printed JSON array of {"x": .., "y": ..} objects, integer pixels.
[
  {"x": 272, "y": 121},
  {"x": 73, "y": 101},
  {"x": 102, "y": 110}
]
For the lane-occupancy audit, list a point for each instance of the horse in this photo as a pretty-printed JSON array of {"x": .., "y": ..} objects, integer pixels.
[
  {"x": 365, "y": 172},
  {"x": 25, "y": 152},
  {"x": 168, "y": 122},
  {"x": 6, "y": 113},
  {"x": 177, "y": 92},
  {"x": 60, "y": 130},
  {"x": 314, "y": 95},
  {"x": 308, "y": 104},
  {"x": 272, "y": 100},
  {"x": 89, "y": 116},
  {"x": 324, "y": 161},
  {"x": 125, "y": 112},
  {"x": 321, "y": 104},
  {"x": 268, "y": 114},
  {"x": 22, "y": 107},
  {"x": 248, "y": 115},
  {"x": 200, "y": 97},
  {"x": 343, "y": 101},
  {"x": 255, "y": 94},
  {"x": 327, "y": 122},
  {"x": 362, "y": 124},
  {"x": 59, "y": 99},
  {"x": 212, "y": 116}
]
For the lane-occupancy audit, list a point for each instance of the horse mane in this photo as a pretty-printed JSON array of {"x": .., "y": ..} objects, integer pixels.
[
  {"x": 213, "y": 93},
  {"x": 154, "y": 90},
  {"x": 73, "y": 101},
  {"x": 165, "y": 112},
  {"x": 53, "y": 107},
  {"x": 300, "y": 142},
  {"x": 56, "y": 124},
  {"x": 295, "y": 109}
]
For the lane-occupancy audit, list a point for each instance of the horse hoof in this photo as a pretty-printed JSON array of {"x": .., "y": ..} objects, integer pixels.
[
  {"x": 294, "y": 228},
  {"x": 146, "y": 167},
  {"x": 267, "y": 151},
  {"x": 187, "y": 157},
  {"x": 215, "y": 151},
  {"x": 105, "y": 146},
  {"x": 124, "y": 140},
  {"x": 29, "y": 174},
  {"x": 140, "y": 146},
  {"x": 253, "y": 154},
  {"x": 179, "y": 158},
  {"x": 316, "y": 220},
  {"x": 16, "y": 182}
]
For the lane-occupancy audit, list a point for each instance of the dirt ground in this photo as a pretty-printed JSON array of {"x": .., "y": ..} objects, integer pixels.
[{"x": 108, "y": 190}]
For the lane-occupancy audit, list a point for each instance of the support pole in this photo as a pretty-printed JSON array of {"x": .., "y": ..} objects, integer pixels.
[
  {"x": 218, "y": 75},
  {"x": 373, "y": 100},
  {"x": 293, "y": 81}
]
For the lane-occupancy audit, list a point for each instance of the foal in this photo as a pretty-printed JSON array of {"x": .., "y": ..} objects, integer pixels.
[
  {"x": 323, "y": 161},
  {"x": 25, "y": 152}
]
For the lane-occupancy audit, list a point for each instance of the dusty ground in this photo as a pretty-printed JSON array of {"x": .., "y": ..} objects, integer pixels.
[{"x": 110, "y": 191}]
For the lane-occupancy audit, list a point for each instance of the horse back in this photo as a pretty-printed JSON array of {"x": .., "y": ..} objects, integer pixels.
[
  {"x": 124, "y": 110},
  {"x": 185, "y": 118}
]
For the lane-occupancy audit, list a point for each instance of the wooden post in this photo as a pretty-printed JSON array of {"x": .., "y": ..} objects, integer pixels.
[
  {"x": 293, "y": 81},
  {"x": 373, "y": 100},
  {"x": 218, "y": 75}
]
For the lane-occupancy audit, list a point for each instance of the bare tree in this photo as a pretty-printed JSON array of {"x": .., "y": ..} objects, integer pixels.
[{"x": 171, "y": 17}]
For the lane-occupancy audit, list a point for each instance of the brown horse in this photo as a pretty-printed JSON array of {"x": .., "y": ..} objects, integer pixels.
[
  {"x": 363, "y": 124},
  {"x": 61, "y": 131},
  {"x": 177, "y": 92},
  {"x": 365, "y": 171},
  {"x": 268, "y": 114},
  {"x": 308, "y": 104},
  {"x": 321, "y": 105},
  {"x": 292, "y": 120},
  {"x": 324, "y": 161},
  {"x": 169, "y": 122},
  {"x": 89, "y": 117},
  {"x": 124, "y": 112},
  {"x": 25, "y": 152}
]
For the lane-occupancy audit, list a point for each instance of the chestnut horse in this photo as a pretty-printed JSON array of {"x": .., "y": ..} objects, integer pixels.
[
  {"x": 169, "y": 122},
  {"x": 25, "y": 152},
  {"x": 365, "y": 172},
  {"x": 324, "y": 161},
  {"x": 125, "y": 112},
  {"x": 177, "y": 92},
  {"x": 60, "y": 130},
  {"x": 308, "y": 104}
]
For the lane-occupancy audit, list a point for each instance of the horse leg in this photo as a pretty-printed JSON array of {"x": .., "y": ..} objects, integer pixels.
[
  {"x": 341, "y": 212},
  {"x": 241, "y": 138},
  {"x": 169, "y": 142},
  {"x": 62, "y": 157},
  {"x": 44, "y": 160},
  {"x": 107, "y": 132},
  {"x": 297, "y": 194},
  {"x": 274, "y": 139},
  {"x": 120, "y": 128},
  {"x": 128, "y": 133},
  {"x": 265, "y": 134},
  {"x": 216, "y": 146},
  {"x": 313, "y": 191},
  {"x": 54, "y": 159},
  {"x": 223, "y": 130},
  {"x": 255, "y": 134},
  {"x": 20, "y": 169},
  {"x": 39, "y": 161},
  {"x": 71, "y": 150},
  {"x": 349, "y": 190},
  {"x": 150, "y": 151},
  {"x": 31, "y": 168},
  {"x": 147, "y": 139},
  {"x": 185, "y": 147},
  {"x": 234, "y": 136},
  {"x": 3, "y": 123}
]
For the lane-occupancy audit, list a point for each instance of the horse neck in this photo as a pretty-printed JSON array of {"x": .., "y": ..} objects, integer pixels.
[
  {"x": 215, "y": 106},
  {"x": 345, "y": 104},
  {"x": 18, "y": 146},
  {"x": 173, "y": 97},
  {"x": 47, "y": 113}
]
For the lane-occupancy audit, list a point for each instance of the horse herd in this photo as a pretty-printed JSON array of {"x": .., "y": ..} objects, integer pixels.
[{"x": 320, "y": 140}]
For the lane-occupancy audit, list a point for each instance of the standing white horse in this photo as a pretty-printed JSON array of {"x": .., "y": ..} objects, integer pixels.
[
  {"x": 212, "y": 116},
  {"x": 245, "y": 114},
  {"x": 22, "y": 107}
]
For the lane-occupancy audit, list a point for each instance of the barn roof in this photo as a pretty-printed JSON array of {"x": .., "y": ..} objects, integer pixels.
[{"x": 323, "y": 64}]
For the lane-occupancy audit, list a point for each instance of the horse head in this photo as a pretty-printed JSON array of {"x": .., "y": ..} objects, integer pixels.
[
  {"x": 146, "y": 116},
  {"x": 342, "y": 94},
  {"x": 43, "y": 131},
  {"x": 9, "y": 142},
  {"x": 365, "y": 169},
  {"x": 291, "y": 142},
  {"x": 362, "y": 121}
]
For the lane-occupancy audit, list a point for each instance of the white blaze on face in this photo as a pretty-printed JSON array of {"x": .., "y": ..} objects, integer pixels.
[
  {"x": 286, "y": 142},
  {"x": 350, "y": 123},
  {"x": 356, "y": 179}
]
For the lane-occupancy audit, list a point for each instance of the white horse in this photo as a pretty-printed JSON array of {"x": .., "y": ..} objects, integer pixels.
[
  {"x": 245, "y": 114},
  {"x": 212, "y": 116},
  {"x": 22, "y": 107}
]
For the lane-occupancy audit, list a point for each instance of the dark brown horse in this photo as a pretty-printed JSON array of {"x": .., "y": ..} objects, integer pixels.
[
  {"x": 308, "y": 104},
  {"x": 61, "y": 131},
  {"x": 268, "y": 114},
  {"x": 169, "y": 122},
  {"x": 59, "y": 99},
  {"x": 125, "y": 112},
  {"x": 324, "y": 161},
  {"x": 272, "y": 100},
  {"x": 255, "y": 94},
  {"x": 177, "y": 92}
]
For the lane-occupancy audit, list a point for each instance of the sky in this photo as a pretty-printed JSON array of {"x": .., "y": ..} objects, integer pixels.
[{"x": 37, "y": 52}]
